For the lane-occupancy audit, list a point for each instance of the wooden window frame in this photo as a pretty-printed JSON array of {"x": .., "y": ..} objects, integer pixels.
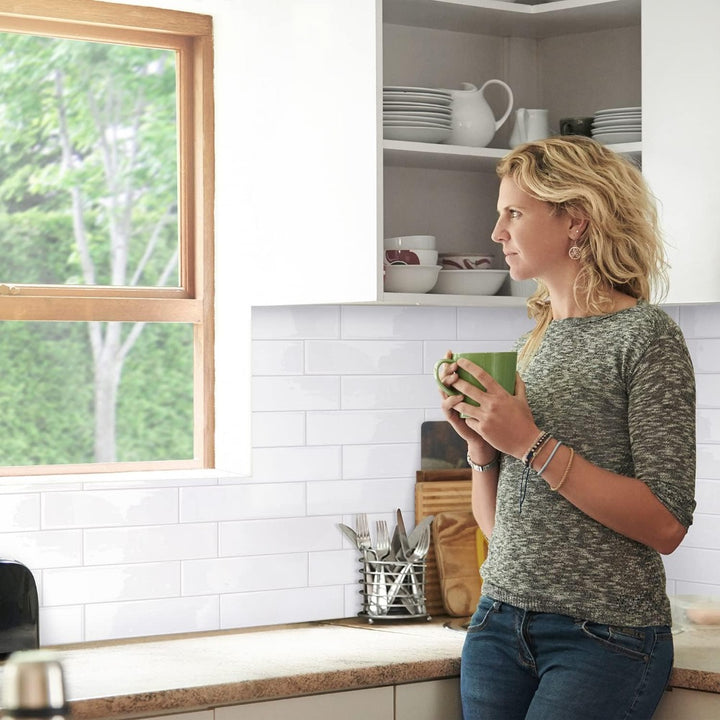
[{"x": 190, "y": 35}]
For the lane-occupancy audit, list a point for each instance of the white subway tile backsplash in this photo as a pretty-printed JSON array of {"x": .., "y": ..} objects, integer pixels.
[
  {"x": 700, "y": 321},
  {"x": 333, "y": 567},
  {"x": 62, "y": 625},
  {"x": 297, "y": 464},
  {"x": 277, "y": 357},
  {"x": 705, "y": 355},
  {"x": 708, "y": 390},
  {"x": 339, "y": 395},
  {"x": 708, "y": 461},
  {"x": 380, "y": 461},
  {"x": 368, "y": 392},
  {"x": 109, "y": 546},
  {"x": 97, "y": 508},
  {"x": 282, "y": 606},
  {"x": 363, "y": 426},
  {"x": 241, "y": 502},
  {"x": 703, "y": 532},
  {"x": 109, "y": 583},
  {"x": 269, "y": 537},
  {"x": 707, "y": 494},
  {"x": 302, "y": 322},
  {"x": 244, "y": 574},
  {"x": 350, "y": 357},
  {"x": 695, "y": 565},
  {"x": 44, "y": 549},
  {"x": 491, "y": 324},
  {"x": 278, "y": 429},
  {"x": 295, "y": 393},
  {"x": 20, "y": 511},
  {"x": 353, "y": 496},
  {"x": 152, "y": 617},
  {"x": 708, "y": 425},
  {"x": 397, "y": 323}
]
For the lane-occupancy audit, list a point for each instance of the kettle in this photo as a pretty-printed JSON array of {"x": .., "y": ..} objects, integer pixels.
[
  {"x": 473, "y": 121},
  {"x": 529, "y": 125}
]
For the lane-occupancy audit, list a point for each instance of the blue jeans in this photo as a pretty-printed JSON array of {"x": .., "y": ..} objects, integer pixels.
[{"x": 522, "y": 665}]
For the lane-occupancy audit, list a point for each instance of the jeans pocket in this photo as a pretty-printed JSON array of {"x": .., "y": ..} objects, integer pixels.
[
  {"x": 628, "y": 641},
  {"x": 485, "y": 609}
]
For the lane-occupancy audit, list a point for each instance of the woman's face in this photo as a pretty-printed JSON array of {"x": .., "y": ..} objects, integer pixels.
[{"x": 535, "y": 241}]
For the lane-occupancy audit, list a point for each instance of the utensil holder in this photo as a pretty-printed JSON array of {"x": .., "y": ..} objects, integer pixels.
[{"x": 392, "y": 589}]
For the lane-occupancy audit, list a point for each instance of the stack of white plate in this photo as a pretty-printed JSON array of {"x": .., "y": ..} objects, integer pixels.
[
  {"x": 617, "y": 125},
  {"x": 416, "y": 113}
]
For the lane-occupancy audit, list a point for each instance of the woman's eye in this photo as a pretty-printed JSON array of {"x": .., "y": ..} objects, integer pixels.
[{"x": 514, "y": 214}]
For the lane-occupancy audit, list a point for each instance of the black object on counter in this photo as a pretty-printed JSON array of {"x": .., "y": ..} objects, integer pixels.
[{"x": 19, "y": 629}]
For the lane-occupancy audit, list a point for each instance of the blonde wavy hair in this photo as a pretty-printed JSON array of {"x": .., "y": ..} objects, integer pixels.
[{"x": 621, "y": 247}]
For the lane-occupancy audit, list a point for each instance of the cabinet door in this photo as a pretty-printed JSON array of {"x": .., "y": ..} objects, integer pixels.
[
  {"x": 681, "y": 105},
  {"x": 429, "y": 700},
  {"x": 307, "y": 183},
  {"x": 374, "y": 703},
  {"x": 679, "y": 704}
]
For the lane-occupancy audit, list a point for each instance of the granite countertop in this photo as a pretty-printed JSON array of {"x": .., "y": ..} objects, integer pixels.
[{"x": 179, "y": 673}]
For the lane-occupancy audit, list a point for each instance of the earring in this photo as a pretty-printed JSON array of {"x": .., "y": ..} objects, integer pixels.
[{"x": 574, "y": 252}]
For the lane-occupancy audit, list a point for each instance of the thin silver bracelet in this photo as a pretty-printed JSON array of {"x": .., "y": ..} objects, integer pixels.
[
  {"x": 552, "y": 455},
  {"x": 483, "y": 468}
]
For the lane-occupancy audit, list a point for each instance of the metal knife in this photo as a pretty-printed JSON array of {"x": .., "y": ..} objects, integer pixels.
[
  {"x": 349, "y": 533},
  {"x": 417, "y": 531}
]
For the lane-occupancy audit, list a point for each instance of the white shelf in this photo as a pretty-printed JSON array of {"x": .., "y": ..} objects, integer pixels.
[
  {"x": 493, "y": 17},
  {"x": 459, "y": 157},
  {"x": 442, "y": 300}
]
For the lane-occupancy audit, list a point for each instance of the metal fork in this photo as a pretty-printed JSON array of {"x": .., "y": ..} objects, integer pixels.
[
  {"x": 382, "y": 549},
  {"x": 364, "y": 541},
  {"x": 416, "y": 554}
]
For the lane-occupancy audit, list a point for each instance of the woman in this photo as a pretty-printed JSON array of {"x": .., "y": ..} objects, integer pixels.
[{"x": 584, "y": 477}]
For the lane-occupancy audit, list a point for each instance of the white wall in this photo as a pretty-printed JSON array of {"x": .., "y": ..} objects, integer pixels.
[{"x": 340, "y": 393}]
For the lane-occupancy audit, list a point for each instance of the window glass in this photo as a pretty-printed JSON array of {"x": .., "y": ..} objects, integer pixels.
[
  {"x": 95, "y": 392},
  {"x": 88, "y": 163}
]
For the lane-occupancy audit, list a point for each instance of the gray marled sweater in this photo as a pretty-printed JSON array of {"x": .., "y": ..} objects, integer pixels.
[{"x": 620, "y": 390}]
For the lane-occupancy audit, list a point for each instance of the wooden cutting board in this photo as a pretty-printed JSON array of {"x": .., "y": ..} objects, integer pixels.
[
  {"x": 456, "y": 553},
  {"x": 439, "y": 491}
]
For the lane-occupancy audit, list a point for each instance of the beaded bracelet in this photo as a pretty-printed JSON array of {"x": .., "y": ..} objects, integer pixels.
[{"x": 530, "y": 454}]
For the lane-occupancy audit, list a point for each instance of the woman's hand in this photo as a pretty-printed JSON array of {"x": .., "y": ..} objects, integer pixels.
[{"x": 502, "y": 420}]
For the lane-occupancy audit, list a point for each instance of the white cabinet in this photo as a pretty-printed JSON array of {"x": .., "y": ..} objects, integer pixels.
[
  {"x": 320, "y": 188},
  {"x": 429, "y": 700},
  {"x": 681, "y": 105},
  {"x": 375, "y": 703}
]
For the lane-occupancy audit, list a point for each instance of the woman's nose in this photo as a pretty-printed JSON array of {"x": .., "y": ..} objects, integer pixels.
[{"x": 498, "y": 234}]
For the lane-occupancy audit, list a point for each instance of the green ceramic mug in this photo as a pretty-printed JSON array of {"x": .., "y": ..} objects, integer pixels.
[{"x": 501, "y": 365}]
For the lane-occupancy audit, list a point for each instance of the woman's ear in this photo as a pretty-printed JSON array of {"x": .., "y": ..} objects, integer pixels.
[{"x": 577, "y": 228}]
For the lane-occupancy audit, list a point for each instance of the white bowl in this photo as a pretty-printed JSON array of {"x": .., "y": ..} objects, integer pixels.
[
  {"x": 411, "y": 257},
  {"x": 410, "y": 278},
  {"x": 469, "y": 282},
  {"x": 466, "y": 261},
  {"x": 410, "y": 242}
]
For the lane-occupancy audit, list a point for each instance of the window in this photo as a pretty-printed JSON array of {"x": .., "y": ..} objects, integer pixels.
[{"x": 106, "y": 224}]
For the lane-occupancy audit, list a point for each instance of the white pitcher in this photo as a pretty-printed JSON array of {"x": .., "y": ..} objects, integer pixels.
[
  {"x": 473, "y": 122},
  {"x": 530, "y": 125}
]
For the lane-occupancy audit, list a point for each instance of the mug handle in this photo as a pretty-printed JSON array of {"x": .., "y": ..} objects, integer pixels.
[
  {"x": 436, "y": 372},
  {"x": 511, "y": 100}
]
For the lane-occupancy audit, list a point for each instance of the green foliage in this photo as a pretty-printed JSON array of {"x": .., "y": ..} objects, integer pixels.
[{"x": 88, "y": 194}]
